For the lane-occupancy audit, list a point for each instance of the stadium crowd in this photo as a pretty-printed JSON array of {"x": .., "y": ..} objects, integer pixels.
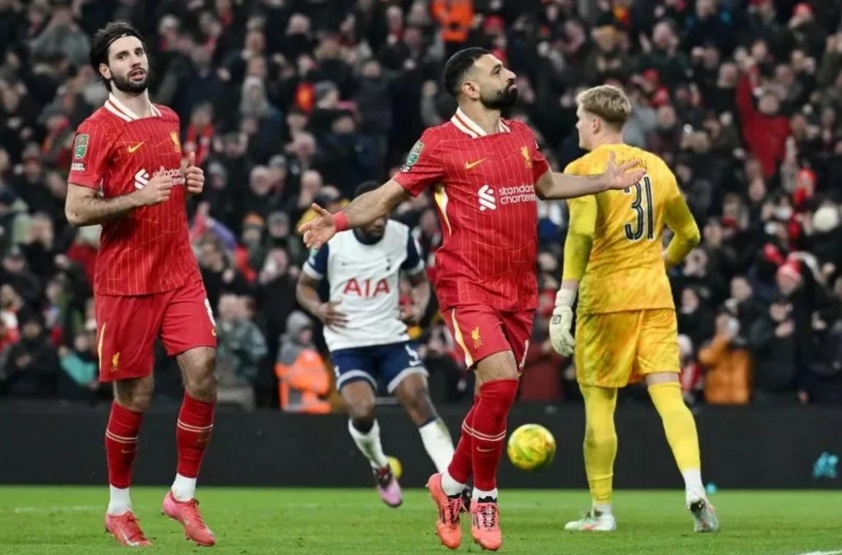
[{"x": 287, "y": 102}]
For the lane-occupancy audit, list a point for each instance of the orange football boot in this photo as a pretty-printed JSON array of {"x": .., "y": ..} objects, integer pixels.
[
  {"x": 126, "y": 529},
  {"x": 447, "y": 524},
  {"x": 485, "y": 524},
  {"x": 187, "y": 513}
]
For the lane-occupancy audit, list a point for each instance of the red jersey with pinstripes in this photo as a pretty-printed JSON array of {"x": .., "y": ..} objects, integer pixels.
[
  {"x": 148, "y": 250},
  {"x": 484, "y": 188}
]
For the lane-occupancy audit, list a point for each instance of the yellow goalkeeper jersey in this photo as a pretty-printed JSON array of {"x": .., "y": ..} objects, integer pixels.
[{"x": 625, "y": 270}]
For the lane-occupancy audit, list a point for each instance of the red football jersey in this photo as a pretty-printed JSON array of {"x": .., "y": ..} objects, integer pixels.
[
  {"x": 115, "y": 151},
  {"x": 485, "y": 194}
]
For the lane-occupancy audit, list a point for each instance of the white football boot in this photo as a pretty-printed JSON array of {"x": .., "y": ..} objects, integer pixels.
[
  {"x": 704, "y": 515},
  {"x": 593, "y": 521}
]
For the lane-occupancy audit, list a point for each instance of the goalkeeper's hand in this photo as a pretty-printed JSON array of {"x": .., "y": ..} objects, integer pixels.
[{"x": 562, "y": 321}]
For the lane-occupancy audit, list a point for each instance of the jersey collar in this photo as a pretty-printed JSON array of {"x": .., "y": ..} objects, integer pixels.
[
  {"x": 123, "y": 112},
  {"x": 471, "y": 128}
]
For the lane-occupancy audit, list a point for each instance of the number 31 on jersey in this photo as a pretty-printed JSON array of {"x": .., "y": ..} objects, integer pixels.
[{"x": 643, "y": 207}]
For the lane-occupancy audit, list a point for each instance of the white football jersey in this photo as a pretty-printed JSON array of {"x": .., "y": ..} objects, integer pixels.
[{"x": 365, "y": 282}]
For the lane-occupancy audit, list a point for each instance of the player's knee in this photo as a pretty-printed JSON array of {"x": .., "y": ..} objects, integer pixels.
[
  {"x": 134, "y": 395},
  {"x": 361, "y": 413},
  {"x": 198, "y": 370},
  {"x": 202, "y": 387}
]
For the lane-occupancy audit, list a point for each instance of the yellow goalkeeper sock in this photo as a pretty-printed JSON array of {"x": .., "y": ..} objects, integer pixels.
[
  {"x": 600, "y": 443},
  {"x": 680, "y": 428}
]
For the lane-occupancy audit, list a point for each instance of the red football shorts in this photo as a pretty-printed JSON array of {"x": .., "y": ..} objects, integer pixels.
[
  {"x": 127, "y": 327},
  {"x": 481, "y": 330}
]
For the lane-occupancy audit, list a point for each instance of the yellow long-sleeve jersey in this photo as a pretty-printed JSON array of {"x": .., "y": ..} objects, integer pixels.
[{"x": 622, "y": 232}]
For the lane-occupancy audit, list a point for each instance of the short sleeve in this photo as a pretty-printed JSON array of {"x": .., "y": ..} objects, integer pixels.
[
  {"x": 540, "y": 166},
  {"x": 572, "y": 168},
  {"x": 316, "y": 265},
  {"x": 91, "y": 150},
  {"x": 423, "y": 167},
  {"x": 413, "y": 263}
]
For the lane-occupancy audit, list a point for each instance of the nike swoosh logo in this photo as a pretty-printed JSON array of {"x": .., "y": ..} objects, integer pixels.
[
  {"x": 469, "y": 165},
  {"x": 133, "y": 148}
]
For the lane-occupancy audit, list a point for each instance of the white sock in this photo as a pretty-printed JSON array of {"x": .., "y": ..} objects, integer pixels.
[
  {"x": 693, "y": 485},
  {"x": 120, "y": 501},
  {"x": 603, "y": 508},
  {"x": 369, "y": 444},
  {"x": 183, "y": 488},
  {"x": 438, "y": 443},
  {"x": 449, "y": 485},
  {"x": 479, "y": 494}
]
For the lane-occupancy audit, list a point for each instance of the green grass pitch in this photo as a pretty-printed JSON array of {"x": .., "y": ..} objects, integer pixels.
[{"x": 68, "y": 520}]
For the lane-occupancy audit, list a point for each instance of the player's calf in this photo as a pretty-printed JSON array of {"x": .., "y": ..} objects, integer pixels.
[
  {"x": 413, "y": 394},
  {"x": 132, "y": 399},
  {"x": 365, "y": 431}
]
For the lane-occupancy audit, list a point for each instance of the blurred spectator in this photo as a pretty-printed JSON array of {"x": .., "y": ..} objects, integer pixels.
[
  {"x": 772, "y": 339},
  {"x": 31, "y": 367},
  {"x": 692, "y": 380},
  {"x": 241, "y": 346},
  {"x": 303, "y": 378},
  {"x": 728, "y": 377}
]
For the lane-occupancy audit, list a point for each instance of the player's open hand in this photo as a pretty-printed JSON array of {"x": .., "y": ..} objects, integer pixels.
[
  {"x": 624, "y": 175},
  {"x": 320, "y": 229},
  {"x": 331, "y": 316},
  {"x": 157, "y": 190},
  {"x": 194, "y": 176},
  {"x": 562, "y": 322}
]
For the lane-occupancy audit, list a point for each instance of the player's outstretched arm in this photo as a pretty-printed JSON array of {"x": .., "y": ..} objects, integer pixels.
[
  {"x": 361, "y": 211},
  {"x": 685, "y": 230},
  {"x": 554, "y": 185},
  {"x": 86, "y": 206}
]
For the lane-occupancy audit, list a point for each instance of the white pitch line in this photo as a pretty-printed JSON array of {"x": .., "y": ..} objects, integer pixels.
[
  {"x": 81, "y": 508},
  {"x": 837, "y": 552}
]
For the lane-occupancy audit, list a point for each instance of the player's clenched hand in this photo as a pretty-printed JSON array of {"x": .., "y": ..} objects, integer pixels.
[
  {"x": 320, "y": 229},
  {"x": 330, "y": 316},
  {"x": 411, "y": 314},
  {"x": 562, "y": 322},
  {"x": 156, "y": 190},
  {"x": 623, "y": 176},
  {"x": 194, "y": 176}
]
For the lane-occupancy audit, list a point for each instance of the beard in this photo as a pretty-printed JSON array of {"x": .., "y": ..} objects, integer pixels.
[
  {"x": 500, "y": 100},
  {"x": 126, "y": 85}
]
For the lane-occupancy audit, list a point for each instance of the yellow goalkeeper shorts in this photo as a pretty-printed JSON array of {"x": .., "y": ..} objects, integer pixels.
[{"x": 618, "y": 348}]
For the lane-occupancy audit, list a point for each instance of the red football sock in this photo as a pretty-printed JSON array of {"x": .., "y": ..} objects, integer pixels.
[
  {"x": 461, "y": 464},
  {"x": 489, "y": 430},
  {"x": 192, "y": 434},
  {"x": 121, "y": 444}
]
